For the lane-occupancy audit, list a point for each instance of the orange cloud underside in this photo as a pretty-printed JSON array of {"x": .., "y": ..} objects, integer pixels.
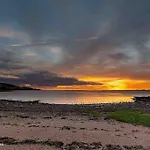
[
  {"x": 119, "y": 84},
  {"x": 108, "y": 84}
]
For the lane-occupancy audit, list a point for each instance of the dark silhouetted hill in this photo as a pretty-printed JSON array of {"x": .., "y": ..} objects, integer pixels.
[{"x": 10, "y": 87}]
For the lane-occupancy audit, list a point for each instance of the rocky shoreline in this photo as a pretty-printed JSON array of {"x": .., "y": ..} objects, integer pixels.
[{"x": 36, "y": 106}]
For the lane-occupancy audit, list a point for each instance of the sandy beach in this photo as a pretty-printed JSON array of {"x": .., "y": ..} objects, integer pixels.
[{"x": 72, "y": 130}]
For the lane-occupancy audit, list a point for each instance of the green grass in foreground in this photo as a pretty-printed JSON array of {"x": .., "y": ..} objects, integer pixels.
[{"x": 131, "y": 117}]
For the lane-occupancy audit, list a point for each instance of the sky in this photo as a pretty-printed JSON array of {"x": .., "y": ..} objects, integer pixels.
[{"x": 75, "y": 44}]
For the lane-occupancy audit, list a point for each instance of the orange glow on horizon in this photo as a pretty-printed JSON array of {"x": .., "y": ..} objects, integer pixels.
[
  {"x": 117, "y": 85},
  {"x": 74, "y": 87},
  {"x": 108, "y": 84}
]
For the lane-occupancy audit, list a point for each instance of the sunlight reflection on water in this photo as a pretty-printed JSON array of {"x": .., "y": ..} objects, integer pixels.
[{"x": 74, "y": 97}]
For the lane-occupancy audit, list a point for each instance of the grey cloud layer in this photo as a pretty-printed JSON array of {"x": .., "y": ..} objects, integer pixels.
[
  {"x": 45, "y": 79},
  {"x": 121, "y": 43}
]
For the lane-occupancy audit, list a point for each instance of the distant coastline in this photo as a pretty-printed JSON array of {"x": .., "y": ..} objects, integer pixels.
[{"x": 4, "y": 87}]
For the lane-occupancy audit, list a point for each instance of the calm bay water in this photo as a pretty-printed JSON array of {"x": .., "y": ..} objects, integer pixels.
[{"x": 74, "y": 97}]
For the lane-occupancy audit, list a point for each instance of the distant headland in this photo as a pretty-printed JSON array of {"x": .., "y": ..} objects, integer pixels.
[{"x": 9, "y": 87}]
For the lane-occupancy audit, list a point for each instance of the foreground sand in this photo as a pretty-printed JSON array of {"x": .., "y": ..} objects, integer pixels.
[{"x": 68, "y": 128}]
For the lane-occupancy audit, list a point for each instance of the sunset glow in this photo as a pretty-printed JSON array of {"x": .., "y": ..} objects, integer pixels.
[
  {"x": 109, "y": 85},
  {"x": 79, "y": 45}
]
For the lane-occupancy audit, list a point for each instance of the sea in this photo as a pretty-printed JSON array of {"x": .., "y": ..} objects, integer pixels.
[{"x": 74, "y": 97}]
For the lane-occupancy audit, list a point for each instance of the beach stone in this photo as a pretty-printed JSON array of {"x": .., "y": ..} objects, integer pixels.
[
  {"x": 136, "y": 147},
  {"x": 113, "y": 147},
  {"x": 84, "y": 146}
]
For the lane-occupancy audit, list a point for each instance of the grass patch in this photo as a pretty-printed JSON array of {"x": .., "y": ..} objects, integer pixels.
[{"x": 136, "y": 118}]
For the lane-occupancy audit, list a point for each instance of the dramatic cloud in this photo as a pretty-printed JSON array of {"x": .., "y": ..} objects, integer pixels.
[
  {"x": 101, "y": 38},
  {"x": 44, "y": 79}
]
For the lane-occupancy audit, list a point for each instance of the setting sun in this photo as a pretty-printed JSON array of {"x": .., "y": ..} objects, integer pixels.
[{"x": 116, "y": 85}]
